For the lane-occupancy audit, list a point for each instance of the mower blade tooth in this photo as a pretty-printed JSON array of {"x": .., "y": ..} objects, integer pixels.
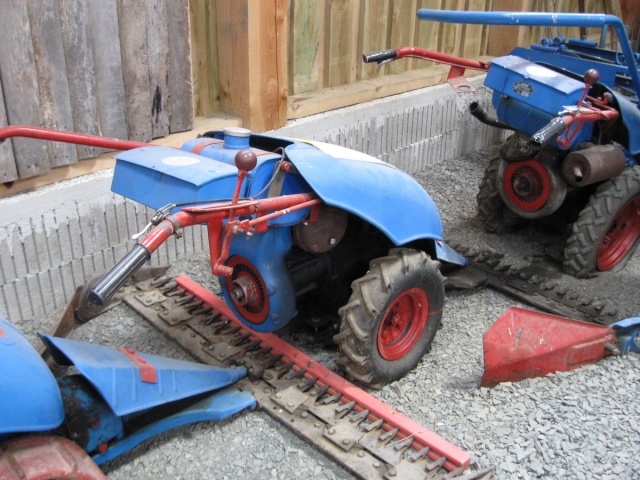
[
  {"x": 184, "y": 300},
  {"x": 419, "y": 454},
  {"x": 431, "y": 466},
  {"x": 176, "y": 292},
  {"x": 404, "y": 443},
  {"x": 360, "y": 416},
  {"x": 169, "y": 286},
  {"x": 374, "y": 425},
  {"x": 388, "y": 434},
  {"x": 195, "y": 306},
  {"x": 319, "y": 392},
  {"x": 331, "y": 399},
  {"x": 346, "y": 407},
  {"x": 307, "y": 384},
  {"x": 239, "y": 339},
  {"x": 284, "y": 369},
  {"x": 273, "y": 360}
]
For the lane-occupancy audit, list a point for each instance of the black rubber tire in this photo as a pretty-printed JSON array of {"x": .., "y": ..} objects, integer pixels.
[
  {"x": 595, "y": 220},
  {"x": 372, "y": 295},
  {"x": 492, "y": 212}
]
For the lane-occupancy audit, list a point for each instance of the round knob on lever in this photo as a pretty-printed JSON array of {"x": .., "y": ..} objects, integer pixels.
[
  {"x": 245, "y": 160},
  {"x": 591, "y": 76}
]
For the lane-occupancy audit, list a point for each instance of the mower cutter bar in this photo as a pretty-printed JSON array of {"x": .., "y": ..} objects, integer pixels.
[{"x": 363, "y": 434}]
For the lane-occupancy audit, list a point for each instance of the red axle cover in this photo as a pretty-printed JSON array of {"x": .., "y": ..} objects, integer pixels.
[{"x": 525, "y": 344}]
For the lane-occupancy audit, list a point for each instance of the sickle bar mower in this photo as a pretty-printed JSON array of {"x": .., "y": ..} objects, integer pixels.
[{"x": 294, "y": 225}]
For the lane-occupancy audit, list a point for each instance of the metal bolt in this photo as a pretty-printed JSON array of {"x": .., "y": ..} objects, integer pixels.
[
  {"x": 345, "y": 441},
  {"x": 290, "y": 404},
  {"x": 317, "y": 424},
  {"x": 361, "y": 454},
  {"x": 331, "y": 431},
  {"x": 278, "y": 395},
  {"x": 377, "y": 464},
  {"x": 304, "y": 414},
  {"x": 158, "y": 308},
  {"x": 392, "y": 472},
  {"x": 332, "y": 241}
]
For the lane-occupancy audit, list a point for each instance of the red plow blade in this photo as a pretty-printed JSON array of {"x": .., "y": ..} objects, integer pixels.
[{"x": 525, "y": 344}]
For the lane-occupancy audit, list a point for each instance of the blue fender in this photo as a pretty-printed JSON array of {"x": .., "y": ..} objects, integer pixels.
[
  {"x": 30, "y": 399},
  {"x": 386, "y": 197},
  {"x": 375, "y": 191},
  {"x": 119, "y": 380}
]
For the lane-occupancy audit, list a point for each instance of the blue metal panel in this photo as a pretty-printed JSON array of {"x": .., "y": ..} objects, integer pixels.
[
  {"x": 218, "y": 406},
  {"x": 157, "y": 176},
  {"x": 118, "y": 379},
  {"x": 380, "y": 194},
  {"x": 527, "y": 95},
  {"x": 30, "y": 400}
]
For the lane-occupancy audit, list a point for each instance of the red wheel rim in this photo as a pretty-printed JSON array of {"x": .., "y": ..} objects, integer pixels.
[
  {"x": 527, "y": 185},
  {"x": 621, "y": 237},
  {"x": 403, "y": 324},
  {"x": 247, "y": 281}
]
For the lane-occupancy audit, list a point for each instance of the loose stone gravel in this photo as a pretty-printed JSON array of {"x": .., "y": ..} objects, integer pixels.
[{"x": 583, "y": 424}]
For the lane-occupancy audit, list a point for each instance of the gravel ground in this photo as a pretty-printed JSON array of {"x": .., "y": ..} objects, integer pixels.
[{"x": 583, "y": 424}]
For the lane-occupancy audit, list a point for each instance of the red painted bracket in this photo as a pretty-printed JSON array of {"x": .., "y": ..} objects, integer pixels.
[{"x": 148, "y": 372}]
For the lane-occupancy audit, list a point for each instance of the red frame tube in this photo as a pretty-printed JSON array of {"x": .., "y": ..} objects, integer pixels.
[
  {"x": 219, "y": 233},
  {"x": 438, "y": 57},
  {"x": 68, "y": 137}
]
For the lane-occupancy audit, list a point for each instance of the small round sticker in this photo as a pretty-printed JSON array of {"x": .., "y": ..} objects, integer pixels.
[{"x": 180, "y": 161}]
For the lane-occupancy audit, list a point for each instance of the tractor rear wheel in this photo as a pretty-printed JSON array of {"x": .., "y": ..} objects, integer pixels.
[
  {"x": 492, "y": 212},
  {"x": 45, "y": 458},
  {"x": 391, "y": 318},
  {"x": 608, "y": 228}
]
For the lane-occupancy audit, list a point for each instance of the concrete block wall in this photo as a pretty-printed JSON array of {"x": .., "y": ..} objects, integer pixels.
[{"x": 59, "y": 237}]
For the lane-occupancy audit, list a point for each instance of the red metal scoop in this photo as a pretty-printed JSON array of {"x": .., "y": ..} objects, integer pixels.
[{"x": 524, "y": 344}]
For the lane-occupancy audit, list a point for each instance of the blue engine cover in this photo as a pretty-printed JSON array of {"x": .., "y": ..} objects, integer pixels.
[
  {"x": 30, "y": 400},
  {"x": 527, "y": 96}
]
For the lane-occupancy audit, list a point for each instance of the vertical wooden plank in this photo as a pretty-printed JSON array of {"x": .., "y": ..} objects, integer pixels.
[
  {"x": 55, "y": 103},
  {"x": 180, "y": 103},
  {"x": 8, "y": 171},
  {"x": 451, "y": 33},
  {"x": 342, "y": 48},
  {"x": 204, "y": 52},
  {"x": 375, "y": 35},
  {"x": 252, "y": 43},
  {"x": 132, "y": 16},
  {"x": 472, "y": 34},
  {"x": 18, "y": 76},
  {"x": 158, "y": 48},
  {"x": 306, "y": 49},
  {"x": 402, "y": 30},
  {"x": 74, "y": 16},
  {"x": 427, "y": 33},
  {"x": 103, "y": 29}
]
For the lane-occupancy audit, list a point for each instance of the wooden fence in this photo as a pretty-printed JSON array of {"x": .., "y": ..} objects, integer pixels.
[
  {"x": 125, "y": 68},
  {"x": 118, "y": 68}
]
